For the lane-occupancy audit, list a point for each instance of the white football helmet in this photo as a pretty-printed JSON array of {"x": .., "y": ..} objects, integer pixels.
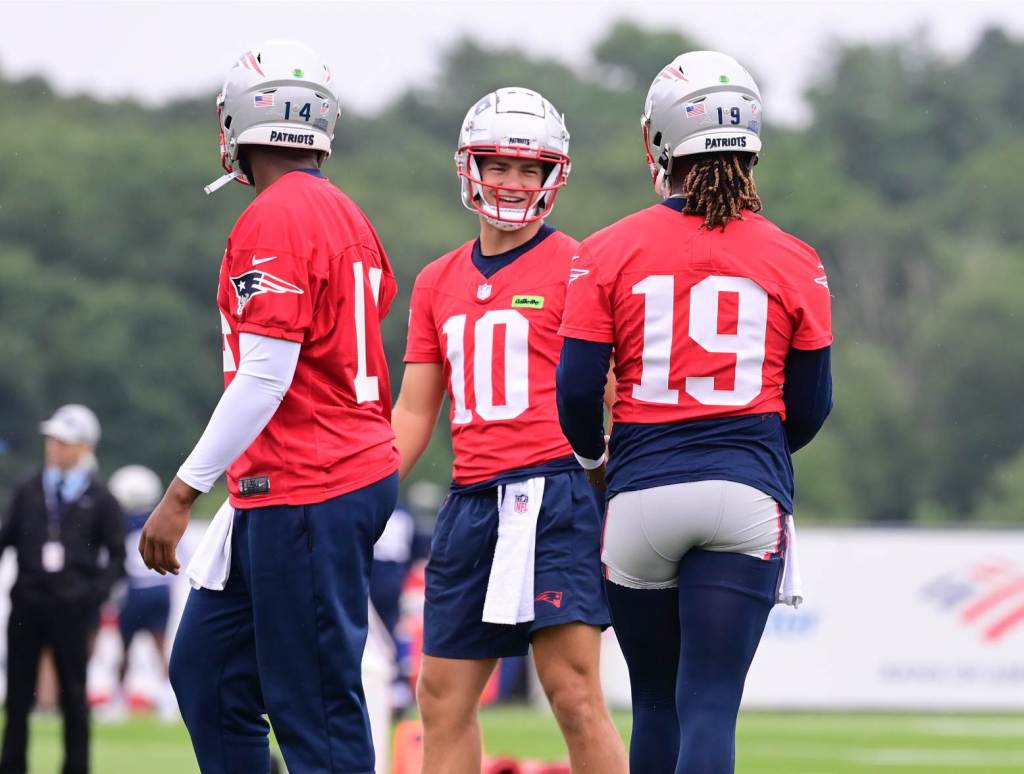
[
  {"x": 280, "y": 93},
  {"x": 520, "y": 123},
  {"x": 701, "y": 102},
  {"x": 136, "y": 488}
]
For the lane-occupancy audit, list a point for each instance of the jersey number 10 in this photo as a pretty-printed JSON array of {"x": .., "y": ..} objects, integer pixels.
[
  {"x": 747, "y": 343},
  {"x": 517, "y": 365}
]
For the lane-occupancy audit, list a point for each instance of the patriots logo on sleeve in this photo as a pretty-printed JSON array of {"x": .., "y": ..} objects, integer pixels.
[
  {"x": 823, "y": 279},
  {"x": 254, "y": 282},
  {"x": 575, "y": 274}
]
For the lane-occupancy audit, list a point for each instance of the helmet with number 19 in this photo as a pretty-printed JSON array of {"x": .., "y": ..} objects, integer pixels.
[
  {"x": 519, "y": 123},
  {"x": 700, "y": 102},
  {"x": 279, "y": 93}
]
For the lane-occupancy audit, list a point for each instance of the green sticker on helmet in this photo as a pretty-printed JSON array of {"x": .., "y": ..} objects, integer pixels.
[
  {"x": 723, "y": 78},
  {"x": 297, "y": 73}
]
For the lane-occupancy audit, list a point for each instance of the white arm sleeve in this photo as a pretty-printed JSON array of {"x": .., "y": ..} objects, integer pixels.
[{"x": 264, "y": 375}]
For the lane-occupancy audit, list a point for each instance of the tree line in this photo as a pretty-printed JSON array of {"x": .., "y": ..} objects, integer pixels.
[{"x": 906, "y": 180}]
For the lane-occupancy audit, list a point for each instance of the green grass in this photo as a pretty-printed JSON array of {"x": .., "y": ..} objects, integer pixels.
[
  {"x": 768, "y": 743},
  {"x": 825, "y": 743}
]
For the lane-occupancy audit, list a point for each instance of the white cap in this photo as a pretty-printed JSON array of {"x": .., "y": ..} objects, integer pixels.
[{"x": 73, "y": 423}]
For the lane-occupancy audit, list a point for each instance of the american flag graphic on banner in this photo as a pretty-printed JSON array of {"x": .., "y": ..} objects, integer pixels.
[
  {"x": 986, "y": 597},
  {"x": 263, "y": 100},
  {"x": 695, "y": 110}
]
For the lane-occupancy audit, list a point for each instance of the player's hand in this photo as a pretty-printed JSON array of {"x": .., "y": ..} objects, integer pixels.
[
  {"x": 165, "y": 526},
  {"x": 596, "y": 478}
]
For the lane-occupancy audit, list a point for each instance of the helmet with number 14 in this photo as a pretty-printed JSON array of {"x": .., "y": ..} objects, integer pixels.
[{"x": 280, "y": 93}]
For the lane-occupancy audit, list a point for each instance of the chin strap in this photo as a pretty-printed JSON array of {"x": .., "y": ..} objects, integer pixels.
[
  {"x": 662, "y": 184},
  {"x": 222, "y": 181},
  {"x": 503, "y": 225},
  {"x": 663, "y": 178}
]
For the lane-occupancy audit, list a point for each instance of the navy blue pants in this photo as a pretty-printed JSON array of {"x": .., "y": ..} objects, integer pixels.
[{"x": 285, "y": 638}]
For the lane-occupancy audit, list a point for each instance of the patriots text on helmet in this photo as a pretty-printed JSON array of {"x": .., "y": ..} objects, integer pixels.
[
  {"x": 300, "y": 139},
  {"x": 725, "y": 142}
]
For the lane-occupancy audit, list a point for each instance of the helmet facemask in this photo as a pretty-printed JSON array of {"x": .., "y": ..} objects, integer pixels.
[
  {"x": 661, "y": 170},
  {"x": 514, "y": 123},
  {"x": 539, "y": 199},
  {"x": 227, "y": 154}
]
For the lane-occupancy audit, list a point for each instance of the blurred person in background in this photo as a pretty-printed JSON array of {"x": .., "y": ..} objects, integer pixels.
[
  {"x": 398, "y": 548},
  {"x": 515, "y": 559},
  {"x": 720, "y": 327},
  {"x": 277, "y": 620},
  {"x": 68, "y": 532},
  {"x": 145, "y": 605}
]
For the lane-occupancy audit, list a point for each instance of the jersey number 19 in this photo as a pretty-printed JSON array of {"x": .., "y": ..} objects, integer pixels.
[{"x": 747, "y": 343}]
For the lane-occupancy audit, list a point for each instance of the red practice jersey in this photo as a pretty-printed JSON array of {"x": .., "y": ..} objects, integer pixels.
[
  {"x": 498, "y": 340},
  {"x": 303, "y": 263},
  {"x": 701, "y": 320}
]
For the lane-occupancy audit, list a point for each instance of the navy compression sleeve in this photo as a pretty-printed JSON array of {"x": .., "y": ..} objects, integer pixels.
[
  {"x": 807, "y": 394},
  {"x": 582, "y": 373}
]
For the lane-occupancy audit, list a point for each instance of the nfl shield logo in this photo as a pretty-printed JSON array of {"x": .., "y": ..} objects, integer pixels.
[
  {"x": 522, "y": 503},
  {"x": 483, "y": 292}
]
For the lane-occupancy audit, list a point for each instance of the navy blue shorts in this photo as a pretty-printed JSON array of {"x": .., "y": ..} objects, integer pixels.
[
  {"x": 568, "y": 586},
  {"x": 145, "y": 609}
]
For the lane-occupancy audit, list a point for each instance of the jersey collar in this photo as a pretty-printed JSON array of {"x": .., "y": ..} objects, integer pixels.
[
  {"x": 676, "y": 203},
  {"x": 489, "y": 265}
]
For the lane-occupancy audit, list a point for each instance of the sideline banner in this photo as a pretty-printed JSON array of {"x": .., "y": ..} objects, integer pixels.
[{"x": 894, "y": 619}]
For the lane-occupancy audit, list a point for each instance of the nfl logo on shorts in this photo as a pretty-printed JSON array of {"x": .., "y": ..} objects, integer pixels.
[
  {"x": 522, "y": 503},
  {"x": 483, "y": 292}
]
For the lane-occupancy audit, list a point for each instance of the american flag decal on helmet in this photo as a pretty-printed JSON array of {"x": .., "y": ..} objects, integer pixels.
[{"x": 252, "y": 283}]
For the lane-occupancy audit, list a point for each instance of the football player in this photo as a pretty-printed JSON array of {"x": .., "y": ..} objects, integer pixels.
[
  {"x": 720, "y": 326},
  {"x": 146, "y": 603},
  {"x": 303, "y": 429},
  {"x": 515, "y": 555}
]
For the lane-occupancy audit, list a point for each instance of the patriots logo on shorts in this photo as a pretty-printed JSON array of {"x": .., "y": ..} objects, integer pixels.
[
  {"x": 552, "y": 597},
  {"x": 252, "y": 283},
  {"x": 522, "y": 503}
]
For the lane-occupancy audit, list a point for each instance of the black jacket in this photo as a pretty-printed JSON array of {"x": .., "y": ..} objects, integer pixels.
[{"x": 92, "y": 523}]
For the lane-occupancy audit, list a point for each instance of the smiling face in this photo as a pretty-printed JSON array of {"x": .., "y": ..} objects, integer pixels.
[{"x": 506, "y": 180}]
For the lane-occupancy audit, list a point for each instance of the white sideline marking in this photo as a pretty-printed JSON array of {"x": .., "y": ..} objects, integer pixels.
[
  {"x": 986, "y": 727},
  {"x": 940, "y": 758},
  {"x": 895, "y": 757}
]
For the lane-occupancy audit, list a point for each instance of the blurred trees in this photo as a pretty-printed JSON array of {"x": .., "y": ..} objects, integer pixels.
[{"x": 906, "y": 180}]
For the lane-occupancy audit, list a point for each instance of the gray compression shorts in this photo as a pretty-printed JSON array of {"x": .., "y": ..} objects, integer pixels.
[{"x": 647, "y": 531}]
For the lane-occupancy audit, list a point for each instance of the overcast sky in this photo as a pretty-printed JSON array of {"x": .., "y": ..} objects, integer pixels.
[{"x": 156, "y": 50}]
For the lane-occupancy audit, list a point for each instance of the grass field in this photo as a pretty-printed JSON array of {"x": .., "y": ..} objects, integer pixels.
[{"x": 768, "y": 743}]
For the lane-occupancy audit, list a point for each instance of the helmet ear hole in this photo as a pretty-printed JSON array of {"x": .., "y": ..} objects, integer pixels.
[
  {"x": 657, "y": 138},
  {"x": 227, "y": 122}
]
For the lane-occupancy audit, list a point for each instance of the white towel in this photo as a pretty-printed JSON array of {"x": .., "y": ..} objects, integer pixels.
[
  {"x": 510, "y": 588},
  {"x": 211, "y": 563},
  {"x": 791, "y": 587}
]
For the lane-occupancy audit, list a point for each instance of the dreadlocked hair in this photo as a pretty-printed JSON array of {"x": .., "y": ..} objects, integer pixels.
[{"x": 720, "y": 186}]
